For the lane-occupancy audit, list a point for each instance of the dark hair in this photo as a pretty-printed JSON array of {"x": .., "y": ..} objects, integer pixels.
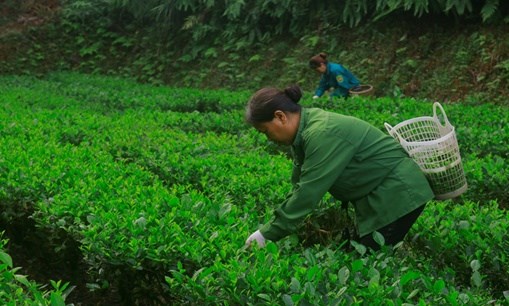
[
  {"x": 317, "y": 60},
  {"x": 266, "y": 101}
]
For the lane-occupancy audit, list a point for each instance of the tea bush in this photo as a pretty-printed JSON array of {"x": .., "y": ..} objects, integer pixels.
[
  {"x": 161, "y": 199},
  {"x": 471, "y": 239}
]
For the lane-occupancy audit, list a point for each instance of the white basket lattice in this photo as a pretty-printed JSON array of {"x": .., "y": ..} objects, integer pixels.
[{"x": 434, "y": 147}]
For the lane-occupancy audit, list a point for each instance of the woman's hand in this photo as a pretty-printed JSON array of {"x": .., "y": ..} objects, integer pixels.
[{"x": 258, "y": 237}]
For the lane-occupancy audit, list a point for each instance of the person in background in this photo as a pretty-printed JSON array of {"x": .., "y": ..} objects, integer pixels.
[
  {"x": 334, "y": 76},
  {"x": 349, "y": 158}
]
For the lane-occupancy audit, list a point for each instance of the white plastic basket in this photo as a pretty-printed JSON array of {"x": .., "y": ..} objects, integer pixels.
[{"x": 434, "y": 147}]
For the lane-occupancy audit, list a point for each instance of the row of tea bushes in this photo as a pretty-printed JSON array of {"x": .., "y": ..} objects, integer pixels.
[
  {"x": 122, "y": 215},
  {"x": 101, "y": 94},
  {"x": 125, "y": 219},
  {"x": 17, "y": 289},
  {"x": 486, "y": 172},
  {"x": 487, "y": 177},
  {"x": 481, "y": 129},
  {"x": 110, "y": 94},
  {"x": 207, "y": 161},
  {"x": 147, "y": 199},
  {"x": 470, "y": 240},
  {"x": 325, "y": 275}
]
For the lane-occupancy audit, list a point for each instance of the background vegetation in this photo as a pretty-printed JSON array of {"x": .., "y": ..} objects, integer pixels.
[
  {"x": 144, "y": 195},
  {"x": 442, "y": 50}
]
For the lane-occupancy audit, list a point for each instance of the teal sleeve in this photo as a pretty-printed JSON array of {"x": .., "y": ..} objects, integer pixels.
[
  {"x": 324, "y": 162},
  {"x": 352, "y": 80},
  {"x": 322, "y": 87}
]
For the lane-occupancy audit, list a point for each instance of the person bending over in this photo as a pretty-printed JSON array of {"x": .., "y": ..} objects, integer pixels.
[
  {"x": 334, "y": 77},
  {"x": 349, "y": 158}
]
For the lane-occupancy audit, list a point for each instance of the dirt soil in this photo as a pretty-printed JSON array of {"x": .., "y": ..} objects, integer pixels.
[{"x": 31, "y": 251}]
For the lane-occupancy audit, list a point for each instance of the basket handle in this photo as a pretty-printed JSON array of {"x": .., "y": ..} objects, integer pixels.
[
  {"x": 392, "y": 132},
  {"x": 446, "y": 120}
]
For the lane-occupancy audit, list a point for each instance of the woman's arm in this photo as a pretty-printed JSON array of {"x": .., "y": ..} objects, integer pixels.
[
  {"x": 322, "y": 86},
  {"x": 326, "y": 158}
]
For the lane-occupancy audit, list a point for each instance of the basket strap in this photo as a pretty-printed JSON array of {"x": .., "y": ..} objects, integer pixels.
[
  {"x": 435, "y": 116},
  {"x": 392, "y": 132}
]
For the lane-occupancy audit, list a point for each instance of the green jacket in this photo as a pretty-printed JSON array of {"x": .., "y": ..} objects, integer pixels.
[{"x": 353, "y": 161}]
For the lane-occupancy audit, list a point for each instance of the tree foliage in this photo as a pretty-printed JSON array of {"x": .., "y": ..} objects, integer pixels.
[
  {"x": 392, "y": 43},
  {"x": 255, "y": 18}
]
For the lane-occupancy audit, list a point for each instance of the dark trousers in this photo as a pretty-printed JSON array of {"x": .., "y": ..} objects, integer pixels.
[{"x": 395, "y": 231}]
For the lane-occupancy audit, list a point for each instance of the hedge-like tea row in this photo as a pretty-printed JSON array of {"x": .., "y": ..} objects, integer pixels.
[
  {"x": 481, "y": 129},
  {"x": 474, "y": 242},
  {"x": 110, "y": 94},
  {"x": 165, "y": 200},
  {"x": 124, "y": 218}
]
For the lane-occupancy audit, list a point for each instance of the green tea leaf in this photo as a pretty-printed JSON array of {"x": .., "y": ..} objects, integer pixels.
[
  {"x": 357, "y": 265},
  {"x": 360, "y": 248},
  {"x": 6, "y": 259},
  {"x": 225, "y": 209},
  {"x": 477, "y": 279},
  {"x": 272, "y": 248},
  {"x": 264, "y": 296},
  {"x": 342, "y": 290},
  {"x": 288, "y": 300},
  {"x": 310, "y": 275},
  {"x": 413, "y": 293},
  {"x": 475, "y": 265},
  {"x": 57, "y": 300},
  {"x": 295, "y": 285},
  {"x": 374, "y": 276},
  {"x": 344, "y": 274},
  {"x": 310, "y": 257},
  {"x": 410, "y": 275},
  {"x": 438, "y": 286},
  {"x": 22, "y": 279},
  {"x": 379, "y": 238}
]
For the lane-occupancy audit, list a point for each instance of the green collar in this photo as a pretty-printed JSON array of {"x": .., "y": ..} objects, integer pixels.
[{"x": 302, "y": 125}]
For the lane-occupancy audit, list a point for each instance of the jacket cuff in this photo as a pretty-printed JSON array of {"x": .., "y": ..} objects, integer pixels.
[{"x": 270, "y": 233}]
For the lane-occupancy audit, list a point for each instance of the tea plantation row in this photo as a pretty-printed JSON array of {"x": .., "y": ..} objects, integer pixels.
[{"x": 160, "y": 187}]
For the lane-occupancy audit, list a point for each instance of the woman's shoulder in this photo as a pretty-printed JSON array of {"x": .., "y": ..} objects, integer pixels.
[
  {"x": 336, "y": 65},
  {"x": 316, "y": 112},
  {"x": 323, "y": 128},
  {"x": 320, "y": 120},
  {"x": 323, "y": 119}
]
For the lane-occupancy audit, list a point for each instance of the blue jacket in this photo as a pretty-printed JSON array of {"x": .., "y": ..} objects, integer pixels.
[{"x": 337, "y": 77}]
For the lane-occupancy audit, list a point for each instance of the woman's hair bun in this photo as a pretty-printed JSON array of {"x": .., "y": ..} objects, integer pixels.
[{"x": 294, "y": 93}]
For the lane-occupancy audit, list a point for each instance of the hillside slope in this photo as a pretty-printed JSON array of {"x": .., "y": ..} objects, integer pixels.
[{"x": 428, "y": 58}]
